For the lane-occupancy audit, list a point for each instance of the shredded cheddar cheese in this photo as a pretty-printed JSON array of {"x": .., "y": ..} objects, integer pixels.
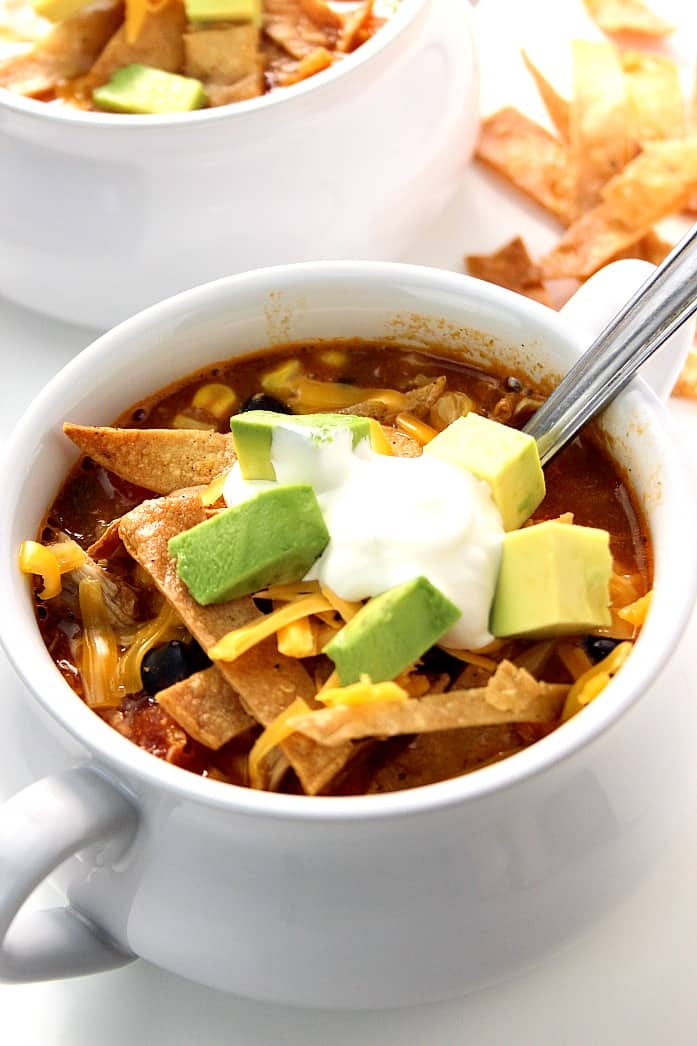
[
  {"x": 287, "y": 593},
  {"x": 415, "y": 428},
  {"x": 274, "y": 734},
  {"x": 591, "y": 683},
  {"x": 237, "y": 642},
  {"x": 214, "y": 490},
  {"x": 299, "y": 639},
  {"x": 167, "y": 625},
  {"x": 378, "y": 440},
  {"x": 470, "y": 658},
  {"x": 636, "y": 612},
  {"x": 136, "y": 13},
  {"x": 363, "y": 693},
  {"x": 49, "y": 562},
  {"x": 99, "y": 653},
  {"x": 344, "y": 607}
]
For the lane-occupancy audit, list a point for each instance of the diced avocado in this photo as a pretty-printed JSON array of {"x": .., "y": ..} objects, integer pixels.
[
  {"x": 144, "y": 90},
  {"x": 252, "y": 432},
  {"x": 502, "y": 456},
  {"x": 224, "y": 11},
  {"x": 391, "y": 631},
  {"x": 58, "y": 10},
  {"x": 272, "y": 538},
  {"x": 553, "y": 580}
]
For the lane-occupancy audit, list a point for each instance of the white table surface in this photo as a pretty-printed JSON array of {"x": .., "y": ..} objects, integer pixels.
[{"x": 630, "y": 981}]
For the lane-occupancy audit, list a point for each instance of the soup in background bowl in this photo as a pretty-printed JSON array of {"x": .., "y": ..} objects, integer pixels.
[
  {"x": 416, "y": 894},
  {"x": 123, "y": 210}
]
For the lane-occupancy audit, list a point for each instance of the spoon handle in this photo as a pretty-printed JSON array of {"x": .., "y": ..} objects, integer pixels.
[{"x": 665, "y": 301}]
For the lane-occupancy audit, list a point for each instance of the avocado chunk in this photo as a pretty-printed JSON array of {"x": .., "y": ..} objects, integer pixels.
[
  {"x": 224, "y": 11},
  {"x": 391, "y": 631},
  {"x": 553, "y": 580},
  {"x": 272, "y": 538},
  {"x": 253, "y": 431},
  {"x": 144, "y": 90},
  {"x": 58, "y": 10},
  {"x": 504, "y": 457}
]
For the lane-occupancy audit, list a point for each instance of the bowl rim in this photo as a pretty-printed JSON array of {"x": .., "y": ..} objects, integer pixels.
[
  {"x": 122, "y": 757},
  {"x": 388, "y": 34}
]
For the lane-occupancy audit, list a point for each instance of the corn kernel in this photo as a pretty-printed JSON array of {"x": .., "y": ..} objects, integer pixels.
[
  {"x": 281, "y": 378},
  {"x": 37, "y": 559},
  {"x": 217, "y": 399},
  {"x": 334, "y": 358}
]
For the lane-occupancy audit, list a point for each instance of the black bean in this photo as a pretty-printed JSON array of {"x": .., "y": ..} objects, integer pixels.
[
  {"x": 598, "y": 647},
  {"x": 436, "y": 661},
  {"x": 196, "y": 657},
  {"x": 513, "y": 385},
  {"x": 165, "y": 665},
  {"x": 260, "y": 401}
]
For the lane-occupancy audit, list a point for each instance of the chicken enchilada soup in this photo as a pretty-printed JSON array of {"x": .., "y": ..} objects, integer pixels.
[
  {"x": 169, "y": 56},
  {"x": 337, "y": 569}
]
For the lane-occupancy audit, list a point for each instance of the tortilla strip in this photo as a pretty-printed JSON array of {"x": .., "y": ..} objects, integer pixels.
[
  {"x": 686, "y": 384},
  {"x": 207, "y": 707},
  {"x": 159, "y": 43},
  {"x": 602, "y": 128},
  {"x": 529, "y": 157},
  {"x": 161, "y": 460},
  {"x": 627, "y": 16},
  {"x": 512, "y": 267},
  {"x": 108, "y": 544},
  {"x": 653, "y": 85},
  {"x": 265, "y": 680},
  {"x": 510, "y": 696},
  {"x": 68, "y": 51},
  {"x": 659, "y": 181},
  {"x": 403, "y": 446},
  {"x": 353, "y": 24},
  {"x": 291, "y": 25},
  {"x": 557, "y": 107},
  {"x": 251, "y": 86},
  {"x": 650, "y": 248},
  {"x": 416, "y": 401},
  {"x": 222, "y": 56}
]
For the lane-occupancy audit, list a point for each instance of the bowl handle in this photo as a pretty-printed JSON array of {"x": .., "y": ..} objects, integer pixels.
[
  {"x": 595, "y": 303},
  {"x": 39, "y": 828}
]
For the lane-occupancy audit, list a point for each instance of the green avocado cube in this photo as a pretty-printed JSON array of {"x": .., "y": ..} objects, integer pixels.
[
  {"x": 224, "y": 11},
  {"x": 391, "y": 631},
  {"x": 272, "y": 538},
  {"x": 146, "y": 91},
  {"x": 502, "y": 456},
  {"x": 553, "y": 580},
  {"x": 252, "y": 432}
]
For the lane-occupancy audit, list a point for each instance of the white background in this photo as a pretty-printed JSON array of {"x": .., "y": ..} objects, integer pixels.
[{"x": 630, "y": 981}]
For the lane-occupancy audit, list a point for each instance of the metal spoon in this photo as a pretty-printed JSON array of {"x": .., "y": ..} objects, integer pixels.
[{"x": 662, "y": 304}]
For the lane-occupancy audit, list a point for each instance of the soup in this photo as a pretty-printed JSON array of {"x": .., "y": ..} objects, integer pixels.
[
  {"x": 164, "y": 56},
  {"x": 259, "y": 689}
]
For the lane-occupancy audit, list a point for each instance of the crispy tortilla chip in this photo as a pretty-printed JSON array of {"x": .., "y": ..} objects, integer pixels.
[
  {"x": 557, "y": 106},
  {"x": 659, "y": 181},
  {"x": 510, "y": 696},
  {"x": 650, "y": 248},
  {"x": 529, "y": 157},
  {"x": 627, "y": 16},
  {"x": 108, "y": 543},
  {"x": 403, "y": 446},
  {"x": 354, "y": 22},
  {"x": 510, "y": 266},
  {"x": 161, "y": 460},
  {"x": 68, "y": 51},
  {"x": 251, "y": 86},
  {"x": 653, "y": 84},
  {"x": 686, "y": 384},
  {"x": 602, "y": 128},
  {"x": 222, "y": 56},
  {"x": 265, "y": 680},
  {"x": 207, "y": 707},
  {"x": 315, "y": 62},
  {"x": 159, "y": 43}
]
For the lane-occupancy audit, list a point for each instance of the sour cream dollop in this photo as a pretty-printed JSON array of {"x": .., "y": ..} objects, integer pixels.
[{"x": 392, "y": 519}]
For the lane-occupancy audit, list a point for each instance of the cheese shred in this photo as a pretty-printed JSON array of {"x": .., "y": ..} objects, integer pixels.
[
  {"x": 274, "y": 734},
  {"x": 237, "y": 642}
]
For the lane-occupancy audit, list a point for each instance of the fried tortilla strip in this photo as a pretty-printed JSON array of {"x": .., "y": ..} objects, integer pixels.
[
  {"x": 291, "y": 24},
  {"x": 658, "y": 182},
  {"x": 510, "y": 696},
  {"x": 265, "y": 680},
  {"x": 68, "y": 51},
  {"x": 159, "y": 43},
  {"x": 602, "y": 128},
  {"x": 653, "y": 84},
  {"x": 251, "y": 86},
  {"x": 107, "y": 544},
  {"x": 222, "y": 56},
  {"x": 308, "y": 66},
  {"x": 444, "y": 754},
  {"x": 627, "y": 16},
  {"x": 403, "y": 446},
  {"x": 512, "y": 267},
  {"x": 161, "y": 460},
  {"x": 650, "y": 248},
  {"x": 207, "y": 707},
  {"x": 557, "y": 106},
  {"x": 530, "y": 158}
]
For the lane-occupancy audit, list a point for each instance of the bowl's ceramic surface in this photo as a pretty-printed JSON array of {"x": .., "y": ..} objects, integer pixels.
[{"x": 362, "y": 901}]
